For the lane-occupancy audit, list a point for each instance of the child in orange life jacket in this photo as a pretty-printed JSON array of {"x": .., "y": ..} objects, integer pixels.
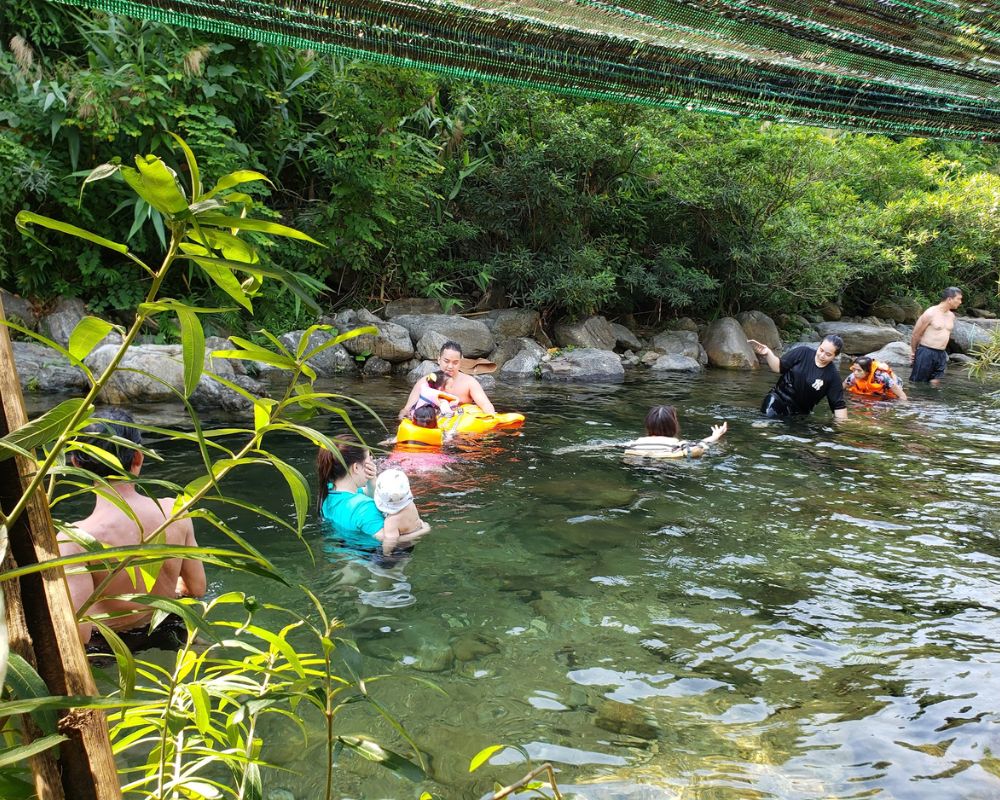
[
  {"x": 444, "y": 403},
  {"x": 871, "y": 378}
]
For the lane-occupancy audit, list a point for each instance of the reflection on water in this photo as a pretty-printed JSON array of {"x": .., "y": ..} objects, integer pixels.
[{"x": 808, "y": 612}]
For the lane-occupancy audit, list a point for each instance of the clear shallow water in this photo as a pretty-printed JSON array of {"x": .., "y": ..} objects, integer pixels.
[{"x": 808, "y": 612}]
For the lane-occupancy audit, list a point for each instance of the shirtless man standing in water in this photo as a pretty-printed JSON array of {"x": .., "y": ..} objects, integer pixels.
[
  {"x": 930, "y": 338},
  {"x": 467, "y": 389}
]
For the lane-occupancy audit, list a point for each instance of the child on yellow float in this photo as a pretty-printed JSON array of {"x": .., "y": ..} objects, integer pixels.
[{"x": 871, "y": 378}]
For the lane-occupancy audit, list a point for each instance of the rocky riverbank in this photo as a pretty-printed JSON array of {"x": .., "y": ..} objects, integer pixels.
[{"x": 410, "y": 334}]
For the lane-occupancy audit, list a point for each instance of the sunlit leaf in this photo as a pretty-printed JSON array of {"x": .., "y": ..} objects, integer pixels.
[
  {"x": 192, "y": 163},
  {"x": 373, "y": 751},
  {"x": 86, "y": 335},
  {"x": 26, "y": 218},
  {"x": 47, "y": 428},
  {"x": 237, "y": 178},
  {"x": 202, "y": 707},
  {"x": 484, "y": 755},
  {"x": 193, "y": 348},
  {"x": 157, "y": 185},
  {"x": 17, "y": 755},
  {"x": 259, "y": 225},
  {"x": 299, "y": 487},
  {"x": 123, "y": 656}
]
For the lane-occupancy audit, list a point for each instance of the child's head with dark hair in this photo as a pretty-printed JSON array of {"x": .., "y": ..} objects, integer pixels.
[
  {"x": 662, "y": 421},
  {"x": 425, "y": 416},
  {"x": 108, "y": 422}
]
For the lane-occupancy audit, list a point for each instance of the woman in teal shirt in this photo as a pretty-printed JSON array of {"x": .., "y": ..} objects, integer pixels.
[{"x": 342, "y": 499}]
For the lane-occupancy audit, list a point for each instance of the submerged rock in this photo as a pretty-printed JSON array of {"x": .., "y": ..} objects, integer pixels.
[{"x": 628, "y": 719}]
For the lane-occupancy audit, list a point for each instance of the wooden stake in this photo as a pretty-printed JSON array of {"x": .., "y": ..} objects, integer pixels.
[{"x": 88, "y": 766}]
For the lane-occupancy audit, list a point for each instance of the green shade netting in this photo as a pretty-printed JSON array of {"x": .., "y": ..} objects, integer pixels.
[{"x": 923, "y": 67}]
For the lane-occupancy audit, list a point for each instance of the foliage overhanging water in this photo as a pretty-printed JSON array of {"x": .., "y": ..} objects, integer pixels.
[{"x": 807, "y": 612}]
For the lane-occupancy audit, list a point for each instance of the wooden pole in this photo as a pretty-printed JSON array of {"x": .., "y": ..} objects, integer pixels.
[{"x": 86, "y": 761}]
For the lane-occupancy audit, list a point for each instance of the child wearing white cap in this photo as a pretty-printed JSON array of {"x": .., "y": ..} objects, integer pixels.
[{"x": 394, "y": 499}]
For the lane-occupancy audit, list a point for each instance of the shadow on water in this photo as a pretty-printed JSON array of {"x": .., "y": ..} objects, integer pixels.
[{"x": 809, "y": 612}]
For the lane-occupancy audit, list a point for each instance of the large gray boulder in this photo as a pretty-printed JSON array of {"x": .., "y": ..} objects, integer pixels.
[
  {"x": 967, "y": 335},
  {"x": 58, "y": 324},
  {"x": 524, "y": 365},
  {"x": 423, "y": 368},
  {"x": 42, "y": 369},
  {"x": 860, "y": 337},
  {"x": 474, "y": 337},
  {"x": 509, "y": 348},
  {"x": 592, "y": 333},
  {"x": 392, "y": 343},
  {"x": 586, "y": 364},
  {"x": 727, "y": 346},
  {"x": 625, "y": 339},
  {"x": 830, "y": 311},
  {"x": 905, "y": 310},
  {"x": 895, "y": 354},
  {"x": 679, "y": 343},
  {"x": 758, "y": 325},
  {"x": 334, "y": 360},
  {"x": 19, "y": 310},
  {"x": 412, "y": 305},
  {"x": 376, "y": 367},
  {"x": 675, "y": 363},
  {"x": 430, "y": 344},
  {"x": 512, "y": 323},
  {"x": 153, "y": 373}
]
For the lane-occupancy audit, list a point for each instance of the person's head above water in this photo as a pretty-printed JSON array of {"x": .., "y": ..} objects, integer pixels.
[
  {"x": 662, "y": 421},
  {"x": 450, "y": 358},
  {"x": 110, "y": 421},
  {"x": 828, "y": 349},
  {"x": 861, "y": 366},
  {"x": 330, "y": 468},
  {"x": 425, "y": 416}
]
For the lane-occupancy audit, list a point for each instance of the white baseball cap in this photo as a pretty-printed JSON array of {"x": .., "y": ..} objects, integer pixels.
[{"x": 392, "y": 491}]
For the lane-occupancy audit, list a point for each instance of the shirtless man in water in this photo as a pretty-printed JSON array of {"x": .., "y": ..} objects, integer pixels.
[
  {"x": 112, "y": 527},
  {"x": 466, "y": 388},
  {"x": 930, "y": 338}
]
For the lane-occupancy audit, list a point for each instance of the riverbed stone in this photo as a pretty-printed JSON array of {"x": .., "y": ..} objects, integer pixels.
[
  {"x": 898, "y": 309},
  {"x": 474, "y": 337},
  {"x": 967, "y": 335},
  {"x": 392, "y": 343},
  {"x": 412, "y": 305},
  {"x": 626, "y": 718},
  {"x": 758, "y": 325},
  {"x": 376, "y": 367},
  {"x": 895, "y": 354},
  {"x": 592, "y": 333},
  {"x": 625, "y": 339},
  {"x": 523, "y": 366},
  {"x": 678, "y": 343},
  {"x": 727, "y": 346},
  {"x": 19, "y": 310},
  {"x": 860, "y": 337},
  {"x": 830, "y": 311},
  {"x": 429, "y": 346},
  {"x": 59, "y": 323},
  {"x": 42, "y": 369},
  {"x": 675, "y": 363},
  {"x": 585, "y": 364},
  {"x": 682, "y": 324},
  {"x": 472, "y": 645},
  {"x": 423, "y": 368},
  {"x": 512, "y": 323}
]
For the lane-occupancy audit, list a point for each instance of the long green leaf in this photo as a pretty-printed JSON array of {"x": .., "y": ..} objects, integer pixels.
[
  {"x": 85, "y": 336},
  {"x": 193, "y": 348},
  {"x": 123, "y": 657},
  {"x": 373, "y": 751},
  {"x": 26, "y": 218},
  {"x": 223, "y": 277},
  {"x": 249, "y": 224},
  {"x": 24, "y": 682},
  {"x": 299, "y": 487},
  {"x": 237, "y": 178},
  {"x": 19, "y": 754},
  {"x": 484, "y": 755},
  {"x": 163, "y": 192},
  {"x": 192, "y": 163},
  {"x": 47, "y": 428}
]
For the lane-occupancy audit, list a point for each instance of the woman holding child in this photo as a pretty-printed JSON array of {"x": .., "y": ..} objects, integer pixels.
[{"x": 365, "y": 511}]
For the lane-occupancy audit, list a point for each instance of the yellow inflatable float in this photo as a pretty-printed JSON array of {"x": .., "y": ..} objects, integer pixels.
[{"x": 468, "y": 419}]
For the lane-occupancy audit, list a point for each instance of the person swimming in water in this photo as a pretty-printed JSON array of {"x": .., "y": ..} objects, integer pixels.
[{"x": 662, "y": 437}]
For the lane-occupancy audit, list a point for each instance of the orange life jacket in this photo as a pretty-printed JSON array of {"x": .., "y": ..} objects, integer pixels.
[{"x": 868, "y": 385}]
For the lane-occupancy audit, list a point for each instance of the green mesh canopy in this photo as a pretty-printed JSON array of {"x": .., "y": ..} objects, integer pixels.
[{"x": 923, "y": 67}]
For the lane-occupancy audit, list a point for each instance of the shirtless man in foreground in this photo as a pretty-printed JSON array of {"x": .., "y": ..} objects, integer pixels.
[
  {"x": 930, "y": 338},
  {"x": 112, "y": 527},
  {"x": 466, "y": 388}
]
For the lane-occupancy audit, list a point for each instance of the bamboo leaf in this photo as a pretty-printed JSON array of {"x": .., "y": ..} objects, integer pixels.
[
  {"x": 85, "y": 336},
  {"x": 249, "y": 224},
  {"x": 193, "y": 348},
  {"x": 123, "y": 657},
  {"x": 202, "y": 707},
  {"x": 159, "y": 185},
  {"x": 192, "y": 163},
  {"x": 18, "y": 754},
  {"x": 24, "y": 682},
  {"x": 47, "y": 428},
  {"x": 26, "y": 218},
  {"x": 237, "y": 178},
  {"x": 484, "y": 755},
  {"x": 373, "y": 751},
  {"x": 299, "y": 487}
]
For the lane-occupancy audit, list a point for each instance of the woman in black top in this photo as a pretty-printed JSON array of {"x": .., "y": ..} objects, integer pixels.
[{"x": 807, "y": 376}]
